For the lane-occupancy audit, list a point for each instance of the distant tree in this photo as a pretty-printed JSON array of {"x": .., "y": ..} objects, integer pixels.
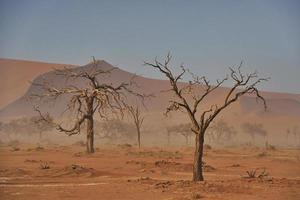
[
  {"x": 188, "y": 98},
  {"x": 293, "y": 134},
  {"x": 138, "y": 120},
  {"x": 95, "y": 96},
  {"x": 26, "y": 125},
  {"x": 114, "y": 129},
  {"x": 185, "y": 131},
  {"x": 41, "y": 125},
  {"x": 254, "y": 129},
  {"x": 182, "y": 129},
  {"x": 12, "y": 127},
  {"x": 220, "y": 132}
]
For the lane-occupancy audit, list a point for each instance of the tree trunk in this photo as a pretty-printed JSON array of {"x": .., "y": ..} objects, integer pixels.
[
  {"x": 90, "y": 127},
  {"x": 139, "y": 136},
  {"x": 90, "y": 136},
  {"x": 197, "y": 171}
]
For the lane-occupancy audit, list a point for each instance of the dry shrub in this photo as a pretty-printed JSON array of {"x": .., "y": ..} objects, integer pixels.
[
  {"x": 76, "y": 170},
  {"x": 31, "y": 161},
  {"x": 256, "y": 173},
  {"x": 159, "y": 154},
  {"x": 271, "y": 147},
  {"x": 45, "y": 165},
  {"x": 38, "y": 148},
  {"x": 124, "y": 146},
  {"x": 197, "y": 196},
  {"x": 262, "y": 154},
  {"x": 15, "y": 149}
]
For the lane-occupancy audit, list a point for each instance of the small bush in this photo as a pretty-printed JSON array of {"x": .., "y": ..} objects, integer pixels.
[
  {"x": 271, "y": 147},
  {"x": 124, "y": 146},
  {"x": 197, "y": 196},
  {"x": 254, "y": 173},
  {"x": 39, "y": 148},
  {"x": 45, "y": 165},
  {"x": 262, "y": 154}
]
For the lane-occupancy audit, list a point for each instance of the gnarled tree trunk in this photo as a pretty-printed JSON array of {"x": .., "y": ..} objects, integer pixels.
[
  {"x": 139, "y": 136},
  {"x": 90, "y": 136},
  {"x": 198, "y": 163},
  {"x": 90, "y": 126}
]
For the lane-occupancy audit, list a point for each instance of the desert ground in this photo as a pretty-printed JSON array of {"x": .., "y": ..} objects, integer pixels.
[{"x": 125, "y": 172}]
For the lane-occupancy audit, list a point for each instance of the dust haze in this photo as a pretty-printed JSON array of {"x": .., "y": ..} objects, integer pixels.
[{"x": 44, "y": 144}]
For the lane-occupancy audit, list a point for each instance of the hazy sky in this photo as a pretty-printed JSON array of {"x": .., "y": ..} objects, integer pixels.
[{"x": 207, "y": 36}]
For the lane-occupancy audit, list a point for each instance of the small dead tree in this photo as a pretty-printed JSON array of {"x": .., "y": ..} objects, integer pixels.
[
  {"x": 138, "y": 120},
  {"x": 85, "y": 101},
  {"x": 42, "y": 125},
  {"x": 188, "y": 99},
  {"x": 254, "y": 173}
]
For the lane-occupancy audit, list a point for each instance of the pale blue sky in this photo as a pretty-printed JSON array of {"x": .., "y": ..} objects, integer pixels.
[{"x": 208, "y": 36}]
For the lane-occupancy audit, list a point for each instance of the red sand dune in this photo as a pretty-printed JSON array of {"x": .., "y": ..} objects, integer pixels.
[
  {"x": 283, "y": 109},
  {"x": 16, "y": 74}
]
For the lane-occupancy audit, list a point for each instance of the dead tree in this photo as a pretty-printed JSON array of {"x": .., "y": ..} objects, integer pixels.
[
  {"x": 138, "y": 120},
  {"x": 42, "y": 125},
  {"x": 84, "y": 102},
  {"x": 188, "y": 99}
]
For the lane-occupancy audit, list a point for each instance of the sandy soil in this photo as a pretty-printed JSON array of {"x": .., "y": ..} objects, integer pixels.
[{"x": 124, "y": 172}]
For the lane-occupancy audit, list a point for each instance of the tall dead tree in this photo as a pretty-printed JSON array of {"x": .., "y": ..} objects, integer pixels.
[
  {"x": 188, "y": 99},
  {"x": 93, "y": 97},
  {"x": 138, "y": 120}
]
